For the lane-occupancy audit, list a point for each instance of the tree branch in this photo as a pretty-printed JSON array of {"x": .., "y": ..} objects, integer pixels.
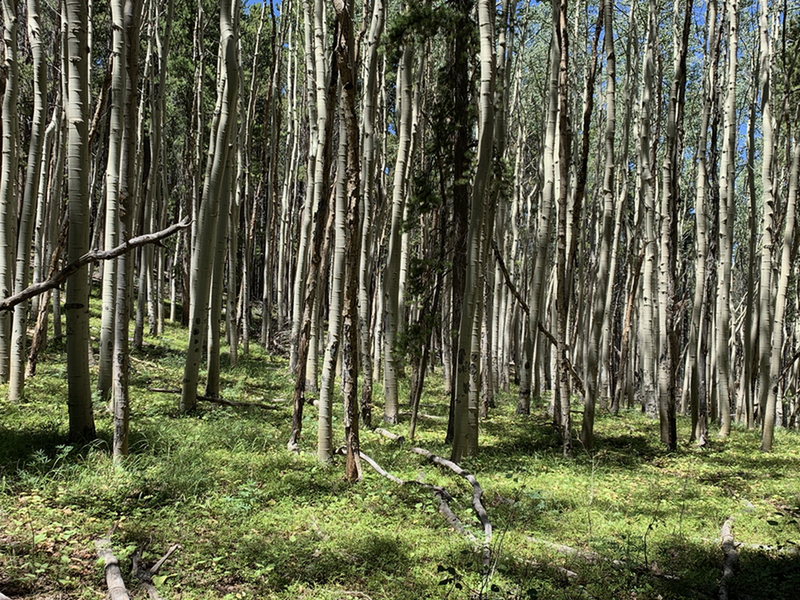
[
  {"x": 477, "y": 493},
  {"x": 90, "y": 257}
]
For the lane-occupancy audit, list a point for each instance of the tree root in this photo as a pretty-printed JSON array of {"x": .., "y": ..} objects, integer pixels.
[
  {"x": 731, "y": 557},
  {"x": 477, "y": 503}
]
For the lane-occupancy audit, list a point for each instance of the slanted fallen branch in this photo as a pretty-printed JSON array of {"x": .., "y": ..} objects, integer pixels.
[
  {"x": 233, "y": 403},
  {"x": 116, "y": 585},
  {"x": 443, "y": 497},
  {"x": 477, "y": 503},
  {"x": 388, "y": 434},
  {"x": 145, "y": 576},
  {"x": 731, "y": 557},
  {"x": 90, "y": 257}
]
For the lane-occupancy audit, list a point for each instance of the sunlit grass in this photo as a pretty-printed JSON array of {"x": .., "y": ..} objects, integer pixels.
[{"x": 255, "y": 521}]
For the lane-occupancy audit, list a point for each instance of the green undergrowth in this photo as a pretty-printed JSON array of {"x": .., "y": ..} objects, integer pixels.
[{"x": 255, "y": 521}]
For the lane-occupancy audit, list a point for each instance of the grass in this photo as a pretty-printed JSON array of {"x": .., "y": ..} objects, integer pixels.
[{"x": 255, "y": 521}]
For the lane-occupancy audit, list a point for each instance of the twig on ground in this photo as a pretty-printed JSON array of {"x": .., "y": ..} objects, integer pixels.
[
  {"x": 116, "y": 585},
  {"x": 477, "y": 503},
  {"x": 731, "y": 557}
]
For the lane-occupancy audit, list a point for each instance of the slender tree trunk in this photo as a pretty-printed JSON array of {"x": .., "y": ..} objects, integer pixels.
[
  {"x": 771, "y": 342},
  {"x": 25, "y": 234},
  {"x": 350, "y": 332},
  {"x": 202, "y": 254},
  {"x": 81, "y": 418},
  {"x": 727, "y": 189},
  {"x": 8, "y": 177},
  {"x": 669, "y": 352},
  {"x": 391, "y": 282},
  {"x": 699, "y": 405},
  {"x": 465, "y": 432}
]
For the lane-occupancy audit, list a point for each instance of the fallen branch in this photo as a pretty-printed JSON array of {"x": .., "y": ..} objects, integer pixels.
[
  {"x": 388, "y": 434},
  {"x": 145, "y": 576},
  {"x": 477, "y": 493},
  {"x": 564, "y": 571},
  {"x": 116, "y": 585},
  {"x": 443, "y": 497},
  {"x": 237, "y": 404},
  {"x": 582, "y": 555},
  {"x": 90, "y": 257},
  {"x": 731, "y": 557},
  {"x": 424, "y": 416},
  {"x": 233, "y": 403}
]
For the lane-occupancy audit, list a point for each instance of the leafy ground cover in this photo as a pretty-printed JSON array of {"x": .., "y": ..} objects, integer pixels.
[{"x": 255, "y": 521}]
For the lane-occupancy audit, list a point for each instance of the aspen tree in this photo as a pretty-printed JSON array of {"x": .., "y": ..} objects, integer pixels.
[
  {"x": 346, "y": 62},
  {"x": 8, "y": 177},
  {"x": 649, "y": 317},
  {"x": 465, "y": 432},
  {"x": 727, "y": 190},
  {"x": 131, "y": 23},
  {"x": 562, "y": 283},
  {"x": 325, "y": 426},
  {"x": 31, "y": 192},
  {"x": 771, "y": 341},
  {"x": 118, "y": 61},
  {"x": 594, "y": 358},
  {"x": 79, "y": 399},
  {"x": 669, "y": 353},
  {"x": 391, "y": 275},
  {"x": 202, "y": 254},
  {"x": 368, "y": 134},
  {"x": 699, "y": 405}
]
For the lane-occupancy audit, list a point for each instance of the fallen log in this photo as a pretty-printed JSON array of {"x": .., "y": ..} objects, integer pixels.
[
  {"x": 114, "y": 580},
  {"x": 731, "y": 557},
  {"x": 477, "y": 494}
]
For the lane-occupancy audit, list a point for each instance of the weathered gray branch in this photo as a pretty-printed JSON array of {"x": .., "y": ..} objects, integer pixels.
[
  {"x": 114, "y": 580},
  {"x": 731, "y": 558},
  {"x": 477, "y": 493},
  {"x": 90, "y": 257},
  {"x": 232, "y": 403},
  {"x": 443, "y": 497}
]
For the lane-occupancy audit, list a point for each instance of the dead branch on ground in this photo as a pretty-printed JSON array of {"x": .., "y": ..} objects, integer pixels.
[
  {"x": 145, "y": 576},
  {"x": 443, "y": 497},
  {"x": 731, "y": 557},
  {"x": 116, "y": 585},
  {"x": 232, "y": 403},
  {"x": 477, "y": 493}
]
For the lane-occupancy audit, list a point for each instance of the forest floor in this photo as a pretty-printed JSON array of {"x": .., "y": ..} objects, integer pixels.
[{"x": 624, "y": 521}]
